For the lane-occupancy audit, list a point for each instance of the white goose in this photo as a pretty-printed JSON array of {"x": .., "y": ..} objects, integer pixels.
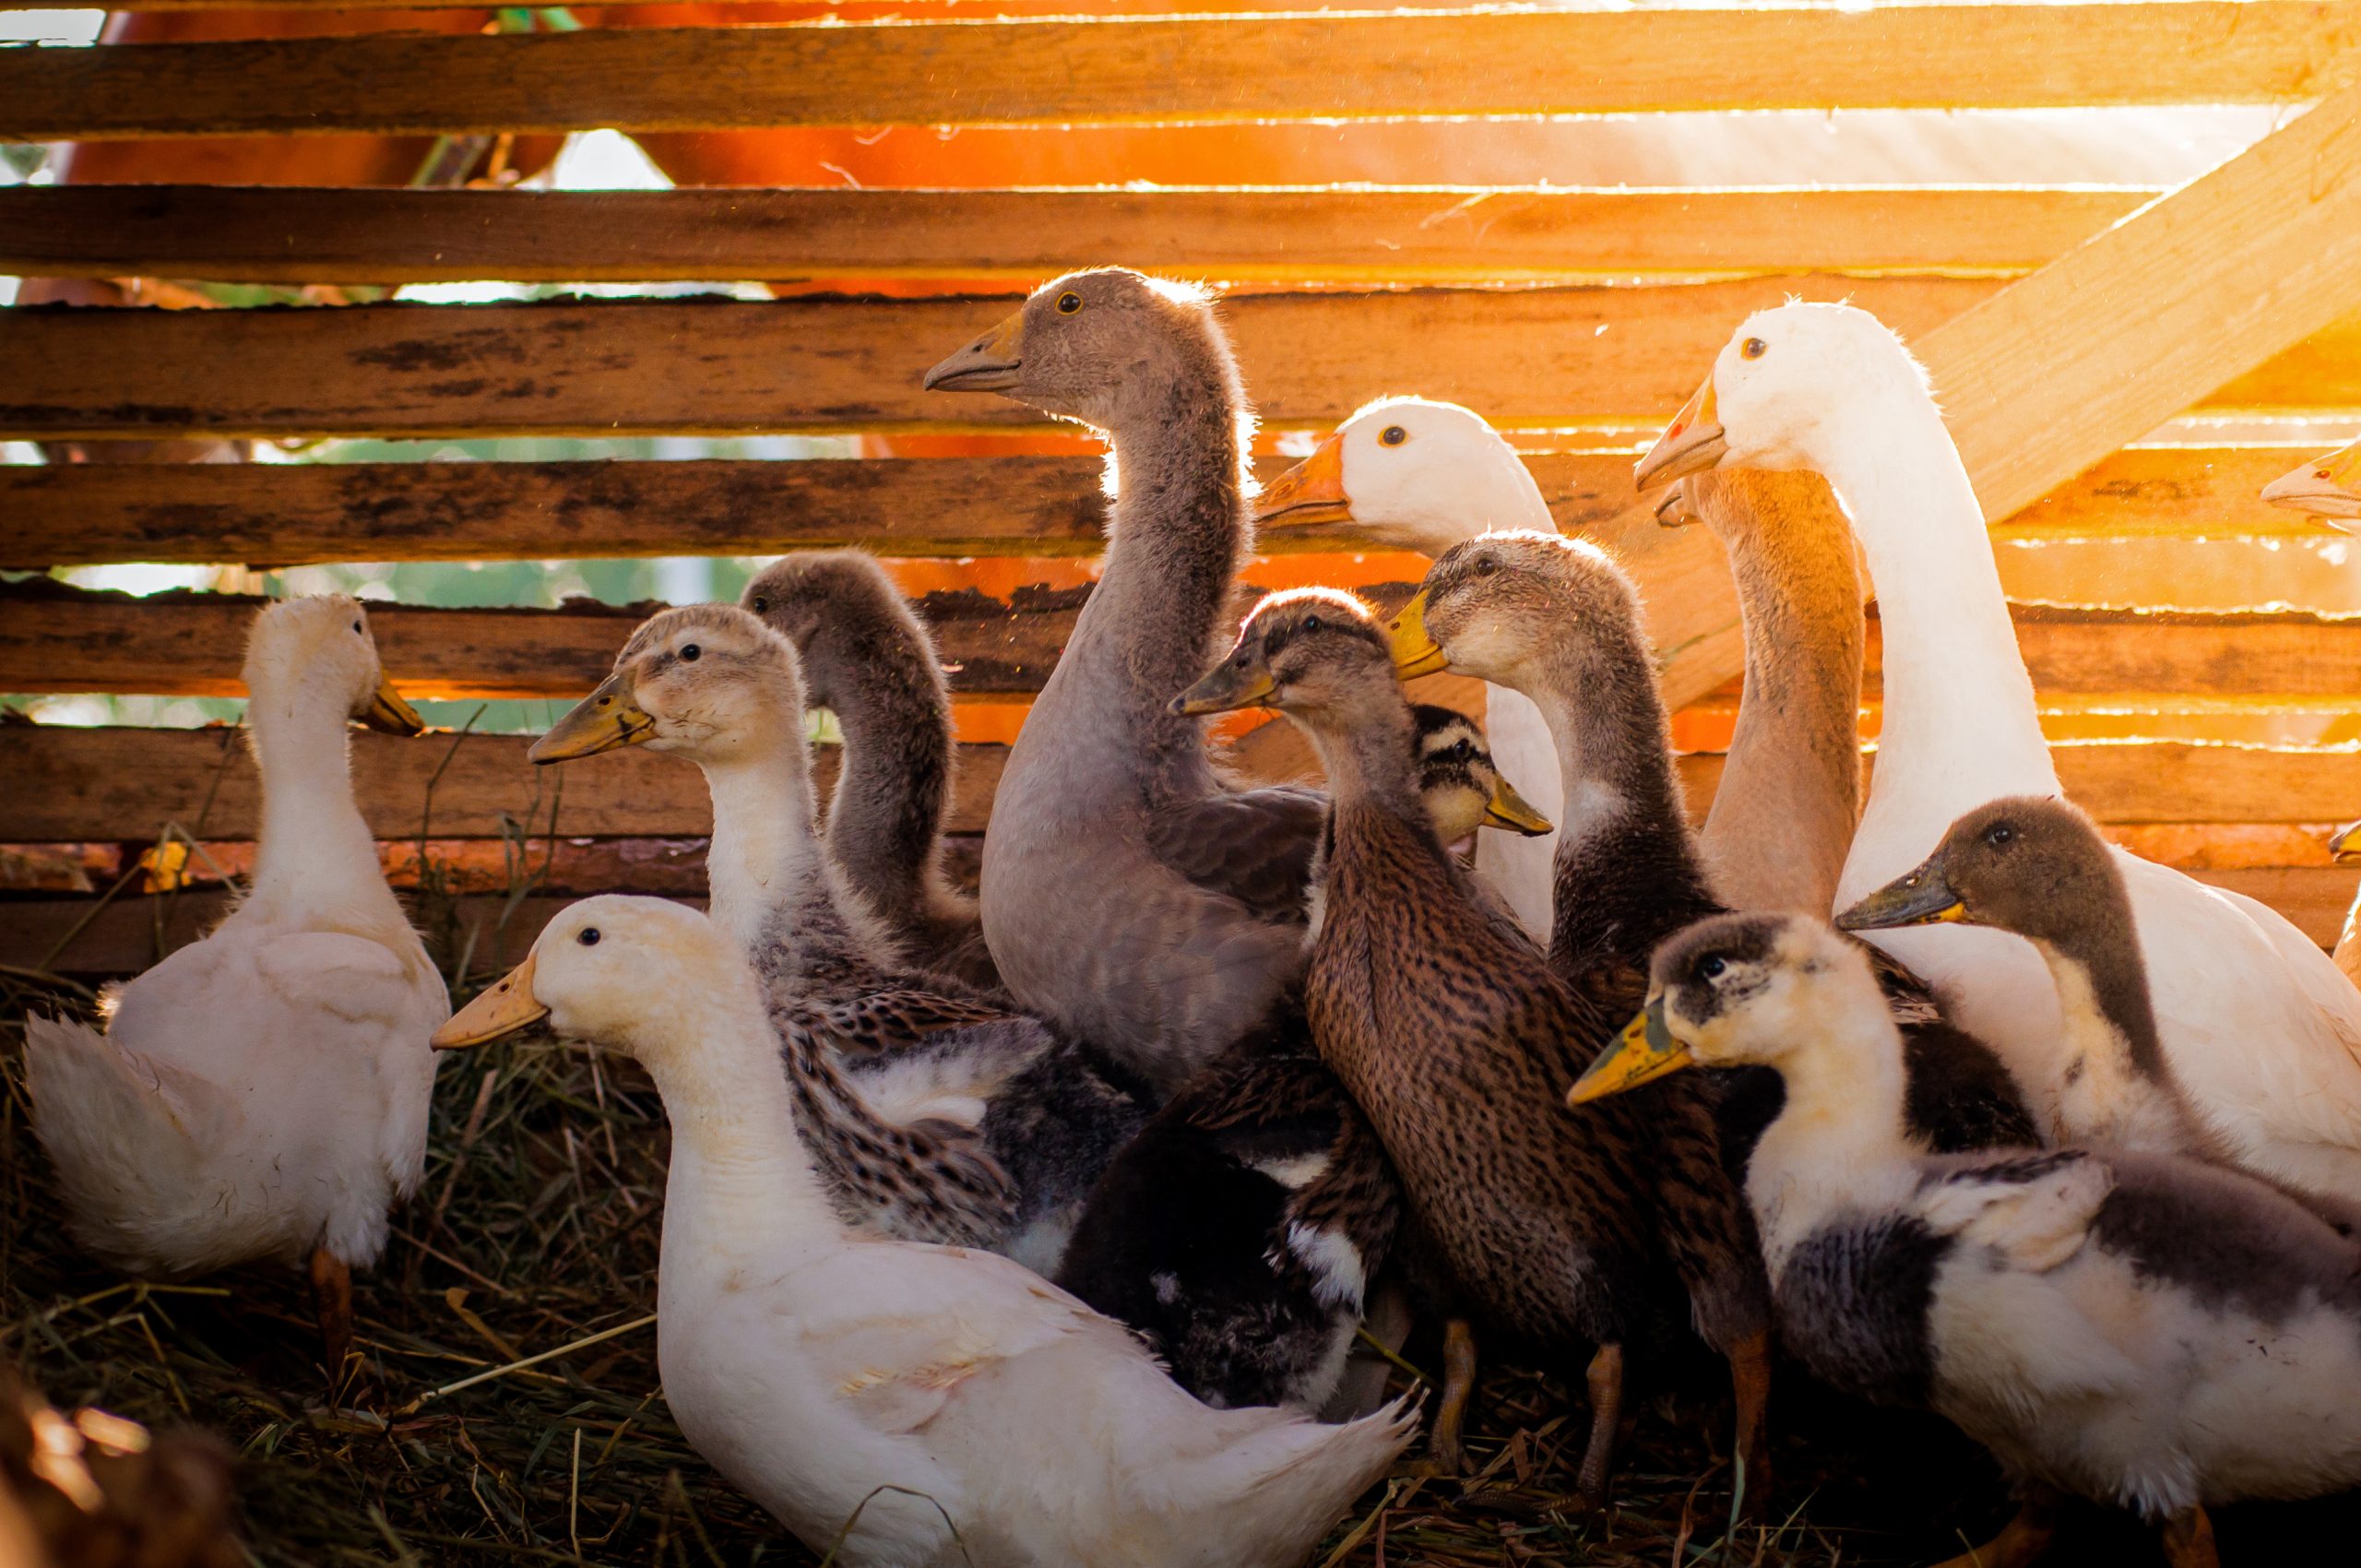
[
  {"x": 1425, "y": 476},
  {"x": 929, "y": 1405},
  {"x": 264, "y": 1092},
  {"x": 2260, "y": 1027}
]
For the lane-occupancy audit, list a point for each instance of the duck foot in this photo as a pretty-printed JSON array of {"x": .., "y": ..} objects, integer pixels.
[
  {"x": 1750, "y": 1361},
  {"x": 2021, "y": 1540},
  {"x": 1606, "y": 1380},
  {"x": 332, "y": 1297},
  {"x": 1446, "y": 1454},
  {"x": 2188, "y": 1540}
]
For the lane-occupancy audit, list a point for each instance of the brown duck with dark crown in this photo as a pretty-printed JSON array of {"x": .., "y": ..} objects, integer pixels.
[
  {"x": 871, "y": 661},
  {"x": 1444, "y": 1022},
  {"x": 1130, "y": 892}
]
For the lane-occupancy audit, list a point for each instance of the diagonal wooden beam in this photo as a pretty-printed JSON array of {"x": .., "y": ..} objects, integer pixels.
[{"x": 2096, "y": 350}]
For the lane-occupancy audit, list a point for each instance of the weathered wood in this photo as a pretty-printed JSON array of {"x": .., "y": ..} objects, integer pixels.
[
  {"x": 296, "y": 235},
  {"x": 295, "y": 515},
  {"x": 69, "y": 784},
  {"x": 1543, "y": 358},
  {"x": 1136, "y": 70}
]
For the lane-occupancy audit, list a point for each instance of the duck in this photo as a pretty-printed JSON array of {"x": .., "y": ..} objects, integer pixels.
[
  {"x": 1131, "y": 893},
  {"x": 1444, "y": 1022},
  {"x": 938, "y": 1113},
  {"x": 1557, "y": 619},
  {"x": 2143, "y": 1329},
  {"x": 1419, "y": 475},
  {"x": 897, "y": 1403},
  {"x": 2260, "y": 1028},
  {"x": 1245, "y": 1233},
  {"x": 869, "y": 660},
  {"x": 262, "y": 1093}
]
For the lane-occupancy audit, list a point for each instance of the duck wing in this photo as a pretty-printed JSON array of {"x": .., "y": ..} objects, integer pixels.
[
  {"x": 897, "y": 1018},
  {"x": 2035, "y": 1210},
  {"x": 1255, "y": 845}
]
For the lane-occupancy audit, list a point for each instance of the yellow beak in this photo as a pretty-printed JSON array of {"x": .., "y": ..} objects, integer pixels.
[
  {"x": 2345, "y": 844},
  {"x": 1415, "y": 652},
  {"x": 1692, "y": 443},
  {"x": 388, "y": 712},
  {"x": 987, "y": 365},
  {"x": 1920, "y": 898},
  {"x": 1227, "y": 689},
  {"x": 1673, "y": 510},
  {"x": 508, "y": 1006},
  {"x": 1645, "y": 1052},
  {"x": 1311, "y": 495},
  {"x": 604, "y": 720},
  {"x": 1510, "y": 810}
]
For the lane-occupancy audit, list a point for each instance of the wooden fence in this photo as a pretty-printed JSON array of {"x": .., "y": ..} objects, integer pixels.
[{"x": 2061, "y": 323}]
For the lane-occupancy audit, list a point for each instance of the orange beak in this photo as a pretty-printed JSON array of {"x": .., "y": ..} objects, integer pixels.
[
  {"x": 1311, "y": 495},
  {"x": 1692, "y": 443}
]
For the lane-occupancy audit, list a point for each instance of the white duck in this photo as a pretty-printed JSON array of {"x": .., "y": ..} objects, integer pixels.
[
  {"x": 264, "y": 1092},
  {"x": 964, "y": 1410},
  {"x": 2261, "y": 1028},
  {"x": 1425, "y": 476}
]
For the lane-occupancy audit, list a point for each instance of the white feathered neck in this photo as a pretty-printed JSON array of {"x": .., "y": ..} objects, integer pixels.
[{"x": 316, "y": 860}]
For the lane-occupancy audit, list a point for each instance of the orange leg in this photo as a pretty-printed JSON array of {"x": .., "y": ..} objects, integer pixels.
[
  {"x": 2188, "y": 1540},
  {"x": 2021, "y": 1540},
  {"x": 332, "y": 1295},
  {"x": 1750, "y": 1380},
  {"x": 1443, "y": 1447},
  {"x": 1606, "y": 1380}
]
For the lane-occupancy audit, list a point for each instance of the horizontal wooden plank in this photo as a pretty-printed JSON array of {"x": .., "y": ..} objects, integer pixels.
[
  {"x": 73, "y": 785},
  {"x": 1543, "y": 357},
  {"x": 1141, "y": 70},
  {"x": 294, "y": 514},
  {"x": 294, "y": 235},
  {"x": 58, "y": 639}
]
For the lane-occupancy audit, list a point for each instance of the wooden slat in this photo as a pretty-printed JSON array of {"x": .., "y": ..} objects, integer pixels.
[
  {"x": 1524, "y": 358},
  {"x": 295, "y": 515},
  {"x": 283, "y": 235},
  {"x": 1196, "y": 68},
  {"x": 78, "y": 785}
]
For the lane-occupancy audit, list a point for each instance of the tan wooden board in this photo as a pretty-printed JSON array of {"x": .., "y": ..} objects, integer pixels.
[
  {"x": 1524, "y": 358},
  {"x": 295, "y": 235},
  {"x": 293, "y": 514},
  {"x": 1136, "y": 70}
]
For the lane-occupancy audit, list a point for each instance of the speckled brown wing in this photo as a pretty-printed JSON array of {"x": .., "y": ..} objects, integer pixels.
[
  {"x": 1255, "y": 845},
  {"x": 895, "y": 1018}
]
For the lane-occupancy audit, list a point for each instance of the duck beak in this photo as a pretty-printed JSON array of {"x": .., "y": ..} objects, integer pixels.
[
  {"x": 602, "y": 722},
  {"x": 987, "y": 365},
  {"x": 1510, "y": 810},
  {"x": 1692, "y": 443},
  {"x": 2345, "y": 844},
  {"x": 1923, "y": 898},
  {"x": 507, "y": 1007},
  {"x": 1645, "y": 1053},
  {"x": 1673, "y": 510},
  {"x": 1311, "y": 495},
  {"x": 1415, "y": 652},
  {"x": 388, "y": 714},
  {"x": 1227, "y": 689},
  {"x": 2327, "y": 487}
]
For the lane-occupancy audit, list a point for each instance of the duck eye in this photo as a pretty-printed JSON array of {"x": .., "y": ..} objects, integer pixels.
[
  {"x": 1069, "y": 303},
  {"x": 1998, "y": 833},
  {"x": 1311, "y": 623},
  {"x": 588, "y": 936},
  {"x": 761, "y": 605},
  {"x": 1464, "y": 751},
  {"x": 2319, "y": 474},
  {"x": 1754, "y": 348},
  {"x": 690, "y": 653},
  {"x": 1712, "y": 969},
  {"x": 1394, "y": 435},
  {"x": 1484, "y": 567},
  {"x": 356, "y": 625}
]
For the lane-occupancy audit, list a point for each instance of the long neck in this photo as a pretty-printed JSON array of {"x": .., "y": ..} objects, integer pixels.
[
  {"x": 1790, "y": 795},
  {"x": 1368, "y": 758},
  {"x": 1840, "y": 1137},
  {"x": 2114, "y": 1084},
  {"x": 764, "y": 866},
  {"x": 886, "y": 816},
  {"x": 315, "y": 850},
  {"x": 1961, "y": 727}
]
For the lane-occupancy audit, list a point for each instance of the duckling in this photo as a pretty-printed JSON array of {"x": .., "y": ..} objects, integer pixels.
[
  {"x": 1444, "y": 1023},
  {"x": 2143, "y": 1329},
  {"x": 1557, "y": 619},
  {"x": 1133, "y": 894},
  {"x": 1241, "y": 1232},
  {"x": 869, "y": 662},
  {"x": 893, "y": 1404},
  {"x": 937, "y": 1113},
  {"x": 263, "y": 1093}
]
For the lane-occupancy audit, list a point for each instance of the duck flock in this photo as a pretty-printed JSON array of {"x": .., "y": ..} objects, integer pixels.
[{"x": 1058, "y": 1226}]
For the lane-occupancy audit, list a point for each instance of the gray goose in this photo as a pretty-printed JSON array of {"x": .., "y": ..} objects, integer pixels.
[{"x": 1131, "y": 893}]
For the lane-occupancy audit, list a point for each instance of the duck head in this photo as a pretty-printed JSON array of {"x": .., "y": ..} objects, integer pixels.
[
  {"x": 1410, "y": 474},
  {"x": 848, "y": 621},
  {"x": 1104, "y": 346},
  {"x": 2025, "y": 863},
  {"x": 2327, "y": 487},
  {"x": 637, "y": 975},
  {"x": 1733, "y": 991},
  {"x": 1493, "y": 606},
  {"x": 1460, "y": 783},
  {"x": 321, "y": 645},
  {"x": 706, "y": 682},
  {"x": 1792, "y": 386},
  {"x": 1307, "y": 652}
]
